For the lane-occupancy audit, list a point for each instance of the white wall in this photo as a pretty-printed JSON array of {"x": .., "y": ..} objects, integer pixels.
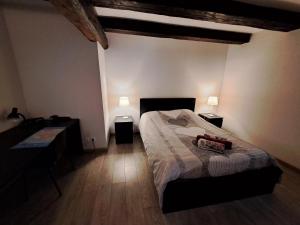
[
  {"x": 103, "y": 81},
  {"x": 58, "y": 67},
  {"x": 11, "y": 94},
  {"x": 138, "y": 66},
  {"x": 260, "y": 99}
]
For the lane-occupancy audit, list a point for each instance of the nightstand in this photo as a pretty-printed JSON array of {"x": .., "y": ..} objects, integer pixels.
[
  {"x": 212, "y": 118},
  {"x": 124, "y": 129}
]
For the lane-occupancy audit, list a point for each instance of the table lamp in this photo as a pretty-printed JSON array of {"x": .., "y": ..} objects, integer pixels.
[
  {"x": 124, "y": 101},
  {"x": 213, "y": 101}
]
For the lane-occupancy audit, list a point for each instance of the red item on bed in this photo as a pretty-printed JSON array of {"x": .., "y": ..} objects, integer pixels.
[{"x": 228, "y": 144}]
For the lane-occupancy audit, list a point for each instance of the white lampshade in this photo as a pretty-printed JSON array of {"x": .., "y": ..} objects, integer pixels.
[
  {"x": 124, "y": 101},
  {"x": 212, "y": 100}
]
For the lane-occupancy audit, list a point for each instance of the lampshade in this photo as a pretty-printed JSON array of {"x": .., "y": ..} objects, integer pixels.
[
  {"x": 212, "y": 100},
  {"x": 124, "y": 101}
]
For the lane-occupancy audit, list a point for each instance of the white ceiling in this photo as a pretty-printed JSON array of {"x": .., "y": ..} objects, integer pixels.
[{"x": 172, "y": 20}]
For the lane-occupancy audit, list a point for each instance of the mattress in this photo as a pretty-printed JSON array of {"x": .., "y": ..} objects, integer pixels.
[{"x": 167, "y": 137}]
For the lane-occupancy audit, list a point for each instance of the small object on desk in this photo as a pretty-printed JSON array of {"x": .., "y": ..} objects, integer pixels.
[
  {"x": 212, "y": 118},
  {"x": 124, "y": 129},
  {"x": 15, "y": 114}
]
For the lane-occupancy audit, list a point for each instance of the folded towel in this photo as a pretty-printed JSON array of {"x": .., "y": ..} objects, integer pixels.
[
  {"x": 195, "y": 142},
  {"x": 211, "y": 145},
  {"x": 228, "y": 144}
]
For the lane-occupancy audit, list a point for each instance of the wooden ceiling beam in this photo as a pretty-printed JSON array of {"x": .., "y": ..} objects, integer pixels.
[
  {"x": 82, "y": 14},
  {"x": 219, "y": 11},
  {"x": 154, "y": 29}
]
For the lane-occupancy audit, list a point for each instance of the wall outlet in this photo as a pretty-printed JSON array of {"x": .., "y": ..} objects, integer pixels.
[{"x": 90, "y": 141}]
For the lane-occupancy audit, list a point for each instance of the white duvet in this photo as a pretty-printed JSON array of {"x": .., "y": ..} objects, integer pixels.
[{"x": 167, "y": 137}]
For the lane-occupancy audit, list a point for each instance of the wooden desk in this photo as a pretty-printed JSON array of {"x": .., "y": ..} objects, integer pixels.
[{"x": 14, "y": 163}]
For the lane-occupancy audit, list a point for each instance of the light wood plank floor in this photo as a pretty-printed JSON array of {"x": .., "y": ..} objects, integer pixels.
[{"x": 117, "y": 188}]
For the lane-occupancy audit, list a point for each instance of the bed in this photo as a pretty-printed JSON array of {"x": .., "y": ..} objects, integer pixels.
[{"x": 186, "y": 177}]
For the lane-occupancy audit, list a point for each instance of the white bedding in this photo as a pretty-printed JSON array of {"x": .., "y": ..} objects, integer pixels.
[{"x": 167, "y": 137}]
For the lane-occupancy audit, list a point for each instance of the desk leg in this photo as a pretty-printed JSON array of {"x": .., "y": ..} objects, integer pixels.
[
  {"x": 70, "y": 157},
  {"x": 25, "y": 186},
  {"x": 52, "y": 177}
]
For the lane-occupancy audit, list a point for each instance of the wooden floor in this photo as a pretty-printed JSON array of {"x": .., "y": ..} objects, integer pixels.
[{"x": 117, "y": 188}]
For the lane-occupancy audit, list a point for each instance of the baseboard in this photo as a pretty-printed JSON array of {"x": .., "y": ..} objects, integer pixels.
[{"x": 288, "y": 165}]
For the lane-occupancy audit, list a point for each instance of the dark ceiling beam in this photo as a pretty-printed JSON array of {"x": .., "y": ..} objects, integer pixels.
[
  {"x": 219, "y": 11},
  {"x": 154, "y": 29},
  {"x": 82, "y": 14}
]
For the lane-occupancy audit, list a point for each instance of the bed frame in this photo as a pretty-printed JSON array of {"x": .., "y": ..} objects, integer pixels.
[
  {"x": 183, "y": 194},
  {"x": 155, "y": 104}
]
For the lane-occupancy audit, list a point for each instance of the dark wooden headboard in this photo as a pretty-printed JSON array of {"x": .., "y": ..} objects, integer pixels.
[{"x": 158, "y": 104}]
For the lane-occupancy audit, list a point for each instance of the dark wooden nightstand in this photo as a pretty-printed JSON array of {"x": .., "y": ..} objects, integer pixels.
[
  {"x": 212, "y": 118},
  {"x": 124, "y": 129}
]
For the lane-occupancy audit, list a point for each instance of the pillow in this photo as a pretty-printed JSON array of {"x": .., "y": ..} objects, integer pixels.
[{"x": 172, "y": 113}]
